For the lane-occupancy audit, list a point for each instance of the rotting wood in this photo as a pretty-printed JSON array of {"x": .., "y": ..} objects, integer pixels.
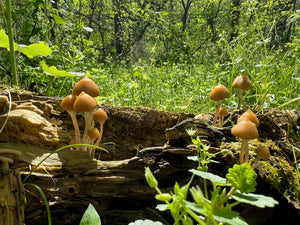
[{"x": 118, "y": 190}]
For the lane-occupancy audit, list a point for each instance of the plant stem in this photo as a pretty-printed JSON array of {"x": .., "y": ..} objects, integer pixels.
[{"x": 11, "y": 44}]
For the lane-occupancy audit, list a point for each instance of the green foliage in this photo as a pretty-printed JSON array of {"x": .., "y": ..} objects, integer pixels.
[
  {"x": 212, "y": 208},
  {"x": 242, "y": 177},
  {"x": 90, "y": 216}
]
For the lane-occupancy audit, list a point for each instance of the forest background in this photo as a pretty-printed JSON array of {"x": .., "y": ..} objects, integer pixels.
[{"x": 165, "y": 54}]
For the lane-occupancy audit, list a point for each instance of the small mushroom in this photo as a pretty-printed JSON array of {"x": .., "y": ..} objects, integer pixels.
[
  {"x": 218, "y": 93},
  {"x": 245, "y": 130},
  {"x": 100, "y": 116},
  {"x": 242, "y": 82},
  {"x": 249, "y": 115},
  {"x": 222, "y": 113},
  {"x": 86, "y": 104},
  {"x": 93, "y": 135},
  {"x": 86, "y": 85},
  {"x": 262, "y": 151},
  {"x": 67, "y": 104}
]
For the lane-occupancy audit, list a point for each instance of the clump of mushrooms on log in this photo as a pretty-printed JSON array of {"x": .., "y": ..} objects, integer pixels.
[{"x": 82, "y": 100}]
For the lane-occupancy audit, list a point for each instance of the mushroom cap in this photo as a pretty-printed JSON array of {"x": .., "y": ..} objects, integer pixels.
[
  {"x": 249, "y": 115},
  {"x": 100, "y": 115},
  {"x": 10, "y": 153},
  {"x": 3, "y": 98},
  {"x": 68, "y": 102},
  {"x": 262, "y": 151},
  {"x": 6, "y": 159},
  {"x": 245, "y": 129},
  {"x": 219, "y": 93},
  {"x": 84, "y": 103},
  {"x": 242, "y": 82},
  {"x": 94, "y": 133},
  {"x": 223, "y": 112},
  {"x": 86, "y": 85}
]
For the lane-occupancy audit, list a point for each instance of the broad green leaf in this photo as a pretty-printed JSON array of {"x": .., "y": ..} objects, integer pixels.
[
  {"x": 228, "y": 216},
  {"x": 145, "y": 222},
  {"x": 90, "y": 217},
  {"x": 36, "y": 49},
  {"x": 242, "y": 177},
  {"x": 53, "y": 71},
  {"x": 4, "y": 41},
  {"x": 58, "y": 19},
  {"x": 210, "y": 176},
  {"x": 261, "y": 201}
]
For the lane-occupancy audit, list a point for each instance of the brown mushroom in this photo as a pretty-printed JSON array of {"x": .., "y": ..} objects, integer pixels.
[
  {"x": 222, "y": 113},
  {"x": 262, "y": 151},
  {"x": 245, "y": 130},
  {"x": 100, "y": 116},
  {"x": 242, "y": 82},
  {"x": 218, "y": 93},
  {"x": 249, "y": 115},
  {"x": 86, "y": 85},
  {"x": 93, "y": 135},
  {"x": 86, "y": 104},
  {"x": 67, "y": 104}
]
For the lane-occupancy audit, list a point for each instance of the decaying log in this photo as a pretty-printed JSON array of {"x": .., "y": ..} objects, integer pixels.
[{"x": 136, "y": 138}]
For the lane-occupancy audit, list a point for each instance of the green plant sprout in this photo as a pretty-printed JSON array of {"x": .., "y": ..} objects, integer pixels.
[
  {"x": 217, "y": 209},
  {"x": 214, "y": 206}
]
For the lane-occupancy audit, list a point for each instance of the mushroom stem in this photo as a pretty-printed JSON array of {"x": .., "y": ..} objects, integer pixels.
[
  {"x": 76, "y": 128},
  {"x": 244, "y": 152},
  {"x": 99, "y": 139},
  {"x": 216, "y": 113},
  {"x": 241, "y": 101},
  {"x": 88, "y": 117},
  {"x": 256, "y": 162},
  {"x": 221, "y": 121}
]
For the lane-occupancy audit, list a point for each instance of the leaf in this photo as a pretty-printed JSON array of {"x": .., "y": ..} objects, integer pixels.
[
  {"x": 228, "y": 216},
  {"x": 90, "y": 217},
  {"x": 53, "y": 71},
  {"x": 4, "y": 41},
  {"x": 242, "y": 177},
  {"x": 261, "y": 201},
  {"x": 36, "y": 49},
  {"x": 58, "y": 20},
  {"x": 145, "y": 222},
  {"x": 210, "y": 176}
]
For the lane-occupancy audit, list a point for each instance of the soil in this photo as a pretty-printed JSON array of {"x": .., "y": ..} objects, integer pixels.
[{"x": 136, "y": 137}]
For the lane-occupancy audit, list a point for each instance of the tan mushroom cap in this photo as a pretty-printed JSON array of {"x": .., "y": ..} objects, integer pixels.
[
  {"x": 249, "y": 115},
  {"x": 6, "y": 159},
  {"x": 86, "y": 85},
  {"x": 100, "y": 115},
  {"x": 245, "y": 129},
  {"x": 242, "y": 82},
  {"x": 223, "y": 112},
  {"x": 219, "y": 93},
  {"x": 262, "y": 151},
  {"x": 68, "y": 102},
  {"x": 84, "y": 103},
  {"x": 94, "y": 133},
  {"x": 3, "y": 98},
  {"x": 10, "y": 153}
]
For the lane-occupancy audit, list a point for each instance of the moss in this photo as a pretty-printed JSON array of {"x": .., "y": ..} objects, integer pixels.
[{"x": 281, "y": 175}]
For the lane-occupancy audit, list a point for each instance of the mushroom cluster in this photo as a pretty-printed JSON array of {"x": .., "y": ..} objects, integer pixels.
[
  {"x": 82, "y": 100},
  {"x": 246, "y": 129}
]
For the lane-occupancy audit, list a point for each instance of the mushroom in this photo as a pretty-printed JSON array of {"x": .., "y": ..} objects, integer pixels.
[
  {"x": 246, "y": 130},
  {"x": 249, "y": 115},
  {"x": 86, "y": 104},
  {"x": 93, "y": 134},
  {"x": 219, "y": 93},
  {"x": 100, "y": 116},
  {"x": 67, "y": 104},
  {"x": 86, "y": 85},
  {"x": 262, "y": 152},
  {"x": 222, "y": 113},
  {"x": 242, "y": 82}
]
